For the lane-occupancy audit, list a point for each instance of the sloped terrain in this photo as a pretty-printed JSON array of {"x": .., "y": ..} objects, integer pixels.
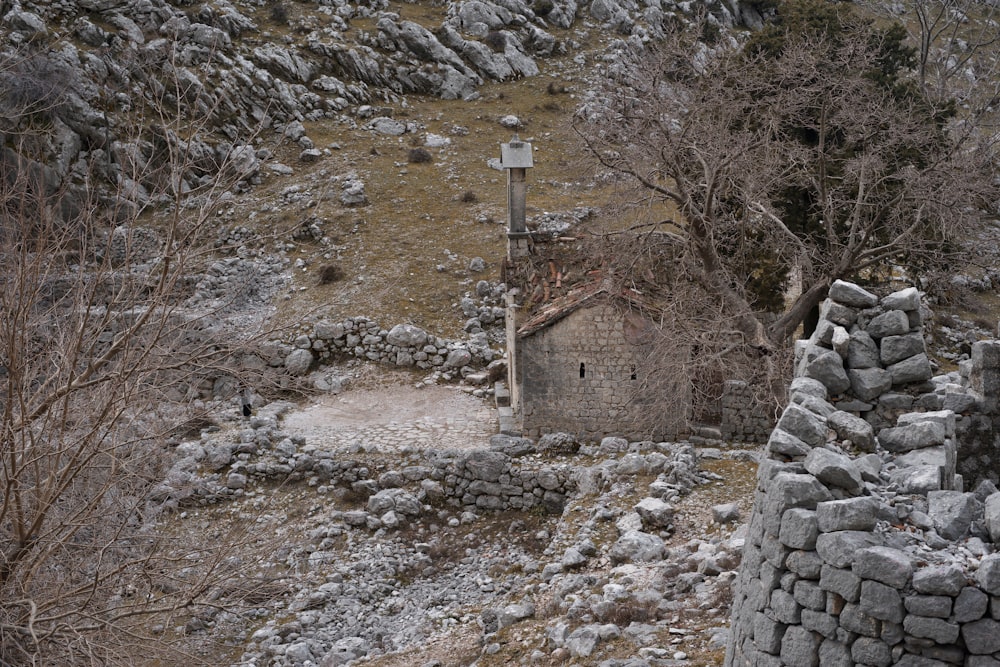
[
  {"x": 332, "y": 578},
  {"x": 357, "y": 146}
]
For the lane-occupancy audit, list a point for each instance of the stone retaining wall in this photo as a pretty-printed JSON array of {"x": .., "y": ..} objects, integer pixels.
[
  {"x": 480, "y": 479},
  {"x": 403, "y": 345},
  {"x": 863, "y": 547}
]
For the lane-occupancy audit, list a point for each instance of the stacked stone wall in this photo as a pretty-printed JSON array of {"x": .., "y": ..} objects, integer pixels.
[
  {"x": 403, "y": 345},
  {"x": 863, "y": 548},
  {"x": 480, "y": 479},
  {"x": 743, "y": 419}
]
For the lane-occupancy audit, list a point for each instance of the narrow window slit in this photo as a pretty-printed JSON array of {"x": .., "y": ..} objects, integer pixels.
[{"x": 583, "y": 370}]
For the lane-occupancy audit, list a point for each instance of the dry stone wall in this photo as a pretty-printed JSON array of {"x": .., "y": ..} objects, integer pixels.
[
  {"x": 743, "y": 419},
  {"x": 494, "y": 479},
  {"x": 864, "y": 548},
  {"x": 403, "y": 345}
]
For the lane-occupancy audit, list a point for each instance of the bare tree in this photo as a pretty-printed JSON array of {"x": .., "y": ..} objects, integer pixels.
[
  {"x": 819, "y": 156},
  {"x": 99, "y": 360},
  {"x": 760, "y": 173},
  {"x": 957, "y": 47}
]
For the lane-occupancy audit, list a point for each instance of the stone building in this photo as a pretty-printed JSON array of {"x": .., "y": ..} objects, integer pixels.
[
  {"x": 581, "y": 353},
  {"x": 576, "y": 364}
]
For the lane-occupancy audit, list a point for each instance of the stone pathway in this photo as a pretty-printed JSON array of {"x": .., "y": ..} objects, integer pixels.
[{"x": 396, "y": 417}]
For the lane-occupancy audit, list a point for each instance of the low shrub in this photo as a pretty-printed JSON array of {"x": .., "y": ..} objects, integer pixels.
[
  {"x": 419, "y": 155},
  {"x": 330, "y": 273}
]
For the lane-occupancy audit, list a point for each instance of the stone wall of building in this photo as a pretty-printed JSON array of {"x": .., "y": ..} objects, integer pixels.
[
  {"x": 864, "y": 548},
  {"x": 580, "y": 375}
]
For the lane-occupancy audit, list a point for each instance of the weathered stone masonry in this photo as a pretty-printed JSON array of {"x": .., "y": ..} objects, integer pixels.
[
  {"x": 863, "y": 548},
  {"x": 579, "y": 376}
]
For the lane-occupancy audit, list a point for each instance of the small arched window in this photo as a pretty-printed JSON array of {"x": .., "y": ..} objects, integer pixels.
[
  {"x": 583, "y": 370},
  {"x": 633, "y": 375}
]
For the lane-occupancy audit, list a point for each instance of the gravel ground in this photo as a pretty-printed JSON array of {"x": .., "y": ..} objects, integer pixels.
[{"x": 451, "y": 586}]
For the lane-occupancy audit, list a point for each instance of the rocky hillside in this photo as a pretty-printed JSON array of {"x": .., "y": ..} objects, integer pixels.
[
  {"x": 352, "y": 143},
  {"x": 354, "y": 133}
]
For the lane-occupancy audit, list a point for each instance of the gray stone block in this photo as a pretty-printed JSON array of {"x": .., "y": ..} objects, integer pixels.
[
  {"x": 839, "y": 548},
  {"x": 823, "y": 335},
  {"x": 798, "y": 528},
  {"x": 851, "y": 295},
  {"x": 919, "y": 480},
  {"x": 870, "y": 467},
  {"x": 912, "y": 436},
  {"x": 834, "y": 654},
  {"x": 774, "y": 552},
  {"x": 910, "y": 660},
  {"x": 815, "y": 404},
  {"x": 959, "y": 402},
  {"x": 952, "y": 512},
  {"x": 971, "y": 605},
  {"x": 936, "y": 629},
  {"x": 992, "y": 515},
  {"x": 637, "y": 546},
  {"x": 871, "y": 651},
  {"x": 862, "y": 351},
  {"x": 868, "y": 384},
  {"x": 914, "y": 370},
  {"x": 890, "y": 323},
  {"x": 784, "y": 608},
  {"x": 796, "y": 490},
  {"x": 850, "y": 514},
  {"x": 892, "y": 633},
  {"x": 943, "y": 579},
  {"x": 800, "y": 647},
  {"x": 988, "y": 574},
  {"x": 786, "y": 444},
  {"x": 805, "y": 425},
  {"x": 881, "y": 602},
  {"x": 843, "y": 582},
  {"x": 905, "y": 299},
  {"x": 834, "y": 469},
  {"x": 769, "y": 577},
  {"x": 804, "y": 385},
  {"x": 936, "y": 455},
  {"x": 884, "y": 564},
  {"x": 893, "y": 349},
  {"x": 895, "y": 402},
  {"x": 935, "y": 606},
  {"x": 853, "y": 619},
  {"x": 944, "y": 417},
  {"x": 981, "y": 661},
  {"x": 820, "y": 622},
  {"x": 828, "y": 368},
  {"x": 854, "y": 406},
  {"x": 853, "y": 428},
  {"x": 840, "y": 340},
  {"x": 982, "y": 637},
  {"x": 809, "y": 595},
  {"x": 806, "y": 564},
  {"x": 767, "y": 633},
  {"x": 984, "y": 377},
  {"x": 837, "y": 313}
]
